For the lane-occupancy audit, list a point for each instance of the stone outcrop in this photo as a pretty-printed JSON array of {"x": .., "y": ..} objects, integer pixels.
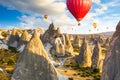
[
  {"x": 100, "y": 39},
  {"x": 33, "y": 63},
  {"x": 51, "y": 34},
  {"x": 107, "y": 42},
  {"x": 97, "y": 57},
  {"x": 92, "y": 39},
  {"x": 71, "y": 37},
  {"x": 111, "y": 66},
  {"x": 13, "y": 39},
  {"x": 24, "y": 39},
  {"x": 68, "y": 45},
  {"x": 77, "y": 42},
  {"x": 59, "y": 47},
  {"x": 84, "y": 58}
]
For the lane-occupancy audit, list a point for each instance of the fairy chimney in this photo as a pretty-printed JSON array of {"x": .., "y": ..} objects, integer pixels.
[{"x": 33, "y": 63}]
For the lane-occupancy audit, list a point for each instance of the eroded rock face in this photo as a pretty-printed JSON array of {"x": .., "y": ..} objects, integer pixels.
[
  {"x": 24, "y": 39},
  {"x": 68, "y": 45},
  {"x": 77, "y": 42},
  {"x": 59, "y": 47},
  {"x": 84, "y": 58},
  {"x": 107, "y": 42},
  {"x": 92, "y": 39},
  {"x": 71, "y": 37},
  {"x": 33, "y": 63},
  {"x": 97, "y": 57},
  {"x": 13, "y": 39},
  {"x": 51, "y": 34},
  {"x": 100, "y": 39},
  {"x": 111, "y": 66}
]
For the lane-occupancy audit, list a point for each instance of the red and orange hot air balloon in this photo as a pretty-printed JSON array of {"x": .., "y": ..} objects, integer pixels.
[{"x": 79, "y": 8}]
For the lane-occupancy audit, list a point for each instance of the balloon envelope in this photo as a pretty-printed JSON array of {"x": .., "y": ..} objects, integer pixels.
[
  {"x": 46, "y": 16},
  {"x": 95, "y": 25},
  {"x": 79, "y": 8}
]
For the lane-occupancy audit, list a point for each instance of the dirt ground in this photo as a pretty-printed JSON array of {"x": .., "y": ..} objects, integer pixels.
[{"x": 73, "y": 74}]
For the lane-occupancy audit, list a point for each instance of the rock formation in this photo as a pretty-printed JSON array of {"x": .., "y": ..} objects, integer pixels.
[
  {"x": 97, "y": 56},
  {"x": 71, "y": 37},
  {"x": 51, "y": 34},
  {"x": 111, "y": 66},
  {"x": 84, "y": 58},
  {"x": 13, "y": 39},
  {"x": 107, "y": 42},
  {"x": 100, "y": 39},
  {"x": 33, "y": 63},
  {"x": 77, "y": 42},
  {"x": 24, "y": 39},
  {"x": 59, "y": 47},
  {"x": 68, "y": 45},
  {"x": 92, "y": 39}
]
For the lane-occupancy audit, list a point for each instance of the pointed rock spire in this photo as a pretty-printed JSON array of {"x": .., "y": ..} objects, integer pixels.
[
  {"x": 96, "y": 56},
  {"x": 58, "y": 31},
  {"x": 13, "y": 39},
  {"x": 68, "y": 45},
  {"x": 24, "y": 38},
  {"x": 84, "y": 58},
  {"x": 77, "y": 42},
  {"x": 52, "y": 27},
  {"x": 60, "y": 50},
  {"x": 111, "y": 66},
  {"x": 33, "y": 63}
]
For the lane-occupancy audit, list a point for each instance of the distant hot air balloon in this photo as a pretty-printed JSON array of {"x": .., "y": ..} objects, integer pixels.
[
  {"x": 95, "y": 25},
  {"x": 89, "y": 30},
  {"x": 46, "y": 16},
  {"x": 107, "y": 28},
  {"x": 79, "y": 8}
]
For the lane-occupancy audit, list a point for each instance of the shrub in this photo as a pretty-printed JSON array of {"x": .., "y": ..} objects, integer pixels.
[
  {"x": 70, "y": 79},
  {"x": 74, "y": 74},
  {"x": 104, "y": 51},
  {"x": 11, "y": 61},
  {"x": 79, "y": 73},
  {"x": 65, "y": 71},
  {"x": 96, "y": 70},
  {"x": 97, "y": 79},
  {"x": 13, "y": 49}
]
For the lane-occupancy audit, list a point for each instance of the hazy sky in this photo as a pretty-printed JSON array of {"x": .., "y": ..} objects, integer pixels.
[{"x": 29, "y": 14}]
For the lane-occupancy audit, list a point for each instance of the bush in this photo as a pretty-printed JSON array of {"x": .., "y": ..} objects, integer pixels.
[
  {"x": 70, "y": 79},
  {"x": 76, "y": 50},
  {"x": 11, "y": 61},
  {"x": 13, "y": 49},
  {"x": 74, "y": 74},
  {"x": 96, "y": 70},
  {"x": 104, "y": 51},
  {"x": 65, "y": 71},
  {"x": 97, "y": 79},
  {"x": 79, "y": 73}
]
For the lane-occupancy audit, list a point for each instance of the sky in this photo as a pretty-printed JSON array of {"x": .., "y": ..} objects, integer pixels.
[{"x": 25, "y": 14}]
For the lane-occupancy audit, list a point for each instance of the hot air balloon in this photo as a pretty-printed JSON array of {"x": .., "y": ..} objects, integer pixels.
[
  {"x": 95, "y": 25},
  {"x": 79, "y": 8},
  {"x": 89, "y": 30},
  {"x": 107, "y": 28},
  {"x": 46, "y": 16}
]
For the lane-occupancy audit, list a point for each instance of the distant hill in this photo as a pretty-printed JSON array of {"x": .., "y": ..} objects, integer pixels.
[{"x": 107, "y": 34}]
